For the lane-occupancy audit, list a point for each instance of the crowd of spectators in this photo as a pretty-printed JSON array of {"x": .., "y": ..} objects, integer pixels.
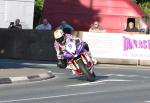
[{"x": 67, "y": 28}]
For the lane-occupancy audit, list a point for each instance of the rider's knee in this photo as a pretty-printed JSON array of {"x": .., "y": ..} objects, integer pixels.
[
  {"x": 62, "y": 63},
  {"x": 86, "y": 46}
]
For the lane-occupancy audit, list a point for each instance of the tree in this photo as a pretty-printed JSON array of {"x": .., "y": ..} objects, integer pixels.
[
  {"x": 141, "y": 1},
  {"x": 37, "y": 11},
  {"x": 144, "y": 4},
  {"x": 146, "y": 7}
]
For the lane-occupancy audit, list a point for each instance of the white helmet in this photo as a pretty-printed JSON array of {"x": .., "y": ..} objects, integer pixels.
[{"x": 59, "y": 35}]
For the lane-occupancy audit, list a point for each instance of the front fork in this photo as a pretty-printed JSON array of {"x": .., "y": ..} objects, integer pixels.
[{"x": 87, "y": 61}]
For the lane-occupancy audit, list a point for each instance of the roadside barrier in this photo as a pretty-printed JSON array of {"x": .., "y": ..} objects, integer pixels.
[
  {"x": 107, "y": 48},
  {"x": 27, "y": 44}
]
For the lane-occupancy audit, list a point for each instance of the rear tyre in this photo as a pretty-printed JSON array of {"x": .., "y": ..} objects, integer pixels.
[{"x": 90, "y": 77}]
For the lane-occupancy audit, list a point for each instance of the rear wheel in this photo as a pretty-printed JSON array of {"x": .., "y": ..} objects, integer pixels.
[{"x": 90, "y": 77}]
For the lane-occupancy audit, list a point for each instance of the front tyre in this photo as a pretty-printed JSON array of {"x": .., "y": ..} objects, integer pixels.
[{"x": 90, "y": 77}]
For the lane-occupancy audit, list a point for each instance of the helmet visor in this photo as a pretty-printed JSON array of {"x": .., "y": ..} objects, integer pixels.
[{"x": 60, "y": 40}]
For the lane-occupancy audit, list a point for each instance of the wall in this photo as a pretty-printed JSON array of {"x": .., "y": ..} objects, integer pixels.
[
  {"x": 27, "y": 44},
  {"x": 10, "y": 10}
]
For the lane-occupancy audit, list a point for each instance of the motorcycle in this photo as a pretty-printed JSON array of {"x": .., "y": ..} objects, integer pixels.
[{"x": 79, "y": 60}]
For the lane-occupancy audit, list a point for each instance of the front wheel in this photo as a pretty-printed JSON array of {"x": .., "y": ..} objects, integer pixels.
[{"x": 90, "y": 77}]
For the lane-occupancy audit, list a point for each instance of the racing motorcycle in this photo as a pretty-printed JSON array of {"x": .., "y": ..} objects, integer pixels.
[{"x": 79, "y": 60}]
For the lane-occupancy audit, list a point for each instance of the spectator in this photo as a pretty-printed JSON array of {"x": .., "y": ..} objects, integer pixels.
[
  {"x": 15, "y": 26},
  {"x": 131, "y": 27},
  {"x": 96, "y": 27},
  {"x": 66, "y": 27},
  {"x": 11, "y": 25},
  {"x": 44, "y": 26}
]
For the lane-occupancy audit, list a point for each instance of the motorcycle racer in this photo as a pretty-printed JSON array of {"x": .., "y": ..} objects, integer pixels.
[{"x": 60, "y": 42}]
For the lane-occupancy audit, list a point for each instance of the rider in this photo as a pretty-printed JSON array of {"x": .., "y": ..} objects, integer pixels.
[{"x": 59, "y": 44}]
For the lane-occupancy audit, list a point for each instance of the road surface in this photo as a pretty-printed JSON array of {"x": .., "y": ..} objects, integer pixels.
[{"x": 114, "y": 84}]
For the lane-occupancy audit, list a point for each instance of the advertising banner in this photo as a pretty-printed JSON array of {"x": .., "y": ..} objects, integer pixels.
[{"x": 118, "y": 45}]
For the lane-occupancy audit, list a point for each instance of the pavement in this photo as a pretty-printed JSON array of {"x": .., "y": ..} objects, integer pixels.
[{"x": 14, "y": 75}]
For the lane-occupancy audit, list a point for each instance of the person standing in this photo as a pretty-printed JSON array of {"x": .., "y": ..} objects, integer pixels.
[
  {"x": 44, "y": 26},
  {"x": 96, "y": 27},
  {"x": 67, "y": 28},
  {"x": 17, "y": 24},
  {"x": 131, "y": 27}
]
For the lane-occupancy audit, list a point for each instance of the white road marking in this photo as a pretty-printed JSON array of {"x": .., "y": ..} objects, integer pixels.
[
  {"x": 26, "y": 63},
  {"x": 39, "y": 64},
  {"x": 99, "y": 82},
  {"x": 58, "y": 73},
  {"x": 121, "y": 75},
  {"x": 127, "y": 67},
  {"x": 124, "y": 75},
  {"x": 147, "y": 101},
  {"x": 50, "y": 97}
]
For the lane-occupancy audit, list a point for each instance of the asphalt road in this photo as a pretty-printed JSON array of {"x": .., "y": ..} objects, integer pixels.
[{"x": 114, "y": 84}]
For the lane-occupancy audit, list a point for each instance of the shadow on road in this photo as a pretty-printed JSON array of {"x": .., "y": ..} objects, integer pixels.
[
  {"x": 83, "y": 78},
  {"x": 19, "y": 64}
]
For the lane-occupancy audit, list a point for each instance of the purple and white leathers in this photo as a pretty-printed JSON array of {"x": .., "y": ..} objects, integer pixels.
[
  {"x": 77, "y": 57},
  {"x": 60, "y": 41}
]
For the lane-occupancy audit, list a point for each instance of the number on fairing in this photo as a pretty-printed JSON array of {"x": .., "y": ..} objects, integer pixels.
[{"x": 71, "y": 47}]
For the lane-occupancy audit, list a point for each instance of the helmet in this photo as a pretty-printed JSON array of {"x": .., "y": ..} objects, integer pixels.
[{"x": 59, "y": 35}]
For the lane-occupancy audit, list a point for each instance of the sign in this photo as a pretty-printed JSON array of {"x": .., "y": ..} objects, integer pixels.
[{"x": 118, "y": 45}]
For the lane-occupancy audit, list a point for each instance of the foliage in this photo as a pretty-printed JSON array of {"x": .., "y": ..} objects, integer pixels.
[
  {"x": 37, "y": 11},
  {"x": 146, "y": 7},
  {"x": 144, "y": 4},
  {"x": 141, "y": 1}
]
